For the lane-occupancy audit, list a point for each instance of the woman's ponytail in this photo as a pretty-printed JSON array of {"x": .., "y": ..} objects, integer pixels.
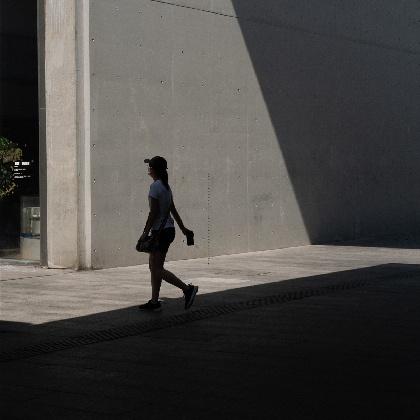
[{"x": 163, "y": 176}]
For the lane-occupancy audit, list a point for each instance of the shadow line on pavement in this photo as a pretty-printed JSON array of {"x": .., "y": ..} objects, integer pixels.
[{"x": 32, "y": 340}]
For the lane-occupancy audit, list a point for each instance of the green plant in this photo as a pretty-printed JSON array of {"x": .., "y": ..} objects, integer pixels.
[{"x": 9, "y": 153}]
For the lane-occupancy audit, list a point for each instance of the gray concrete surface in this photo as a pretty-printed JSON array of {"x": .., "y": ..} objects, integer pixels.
[
  {"x": 347, "y": 353},
  {"x": 58, "y": 133},
  {"x": 30, "y": 294},
  {"x": 284, "y": 123}
]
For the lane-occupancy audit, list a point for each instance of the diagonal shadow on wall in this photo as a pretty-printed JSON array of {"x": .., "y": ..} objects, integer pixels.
[{"x": 339, "y": 83}]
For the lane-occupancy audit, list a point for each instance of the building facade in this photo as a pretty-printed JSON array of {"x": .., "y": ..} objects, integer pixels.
[{"x": 283, "y": 123}]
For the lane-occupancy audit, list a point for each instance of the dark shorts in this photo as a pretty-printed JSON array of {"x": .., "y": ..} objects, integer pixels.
[{"x": 166, "y": 237}]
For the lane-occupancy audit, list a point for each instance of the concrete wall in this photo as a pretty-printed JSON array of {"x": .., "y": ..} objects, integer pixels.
[
  {"x": 284, "y": 123},
  {"x": 340, "y": 82}
]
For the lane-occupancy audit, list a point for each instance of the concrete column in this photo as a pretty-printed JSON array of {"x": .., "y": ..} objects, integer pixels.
[
  {"x": 58, "y": 133},
  {"x": 83, "y": 133}
]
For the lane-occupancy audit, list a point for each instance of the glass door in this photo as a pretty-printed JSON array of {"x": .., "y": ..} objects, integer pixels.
[{"x": 19, "y": 139}]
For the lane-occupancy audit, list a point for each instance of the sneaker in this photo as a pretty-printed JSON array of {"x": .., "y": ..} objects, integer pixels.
[
  {"x": 150, "y": 306},
  {"x": 190, "y": 295}
]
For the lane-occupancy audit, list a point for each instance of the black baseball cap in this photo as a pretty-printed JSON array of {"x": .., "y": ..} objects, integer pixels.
[{"x": 157, "y": 162}]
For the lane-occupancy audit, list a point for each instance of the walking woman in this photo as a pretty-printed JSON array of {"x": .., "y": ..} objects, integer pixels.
[{"x": 161, "y": 206}]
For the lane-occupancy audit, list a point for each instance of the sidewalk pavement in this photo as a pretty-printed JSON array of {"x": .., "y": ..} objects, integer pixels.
[{"x": 308, "y": 332}]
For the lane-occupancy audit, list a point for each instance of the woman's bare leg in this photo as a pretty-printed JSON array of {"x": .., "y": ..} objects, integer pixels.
[
  {"x": 171, "y": 278},
  {"x": 156, "y": 266},
  {"x": 157, "y": 272}
]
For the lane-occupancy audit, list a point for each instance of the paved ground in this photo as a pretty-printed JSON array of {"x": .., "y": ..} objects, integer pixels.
[{"x": 300, "y": 333}]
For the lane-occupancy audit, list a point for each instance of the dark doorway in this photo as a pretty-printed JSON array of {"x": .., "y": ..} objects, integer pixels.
[{"x": 19, "y": 139}]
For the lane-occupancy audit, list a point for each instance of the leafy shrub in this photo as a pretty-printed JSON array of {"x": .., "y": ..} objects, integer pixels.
[{"x": 9, "y": 153}]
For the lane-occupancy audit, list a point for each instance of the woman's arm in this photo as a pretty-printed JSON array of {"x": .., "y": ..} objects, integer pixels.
[{"x": 178, "y": 219}]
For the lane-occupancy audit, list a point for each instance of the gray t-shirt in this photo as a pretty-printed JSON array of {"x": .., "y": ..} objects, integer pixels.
[{"x": 158, "y": 191}]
